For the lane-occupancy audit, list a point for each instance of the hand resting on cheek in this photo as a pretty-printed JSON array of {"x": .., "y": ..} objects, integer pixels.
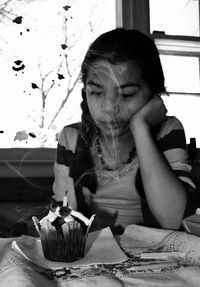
[{"x": 151, "y": 114}]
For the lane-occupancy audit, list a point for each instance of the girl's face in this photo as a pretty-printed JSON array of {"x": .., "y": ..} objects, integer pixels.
[{"x": 114, "y": 94}]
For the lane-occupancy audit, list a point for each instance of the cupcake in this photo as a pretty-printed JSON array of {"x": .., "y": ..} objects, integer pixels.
[{"x": 63, "y": 233}]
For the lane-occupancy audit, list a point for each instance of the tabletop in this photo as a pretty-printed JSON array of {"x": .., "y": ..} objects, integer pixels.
[{"x": 135, "y": 262}]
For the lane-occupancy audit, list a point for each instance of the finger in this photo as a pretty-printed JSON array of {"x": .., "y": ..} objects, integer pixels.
[
  {"x": 161, "y": 102},
  {"x": 164, "y": 113},
  {"x": 164, "y": 107}
]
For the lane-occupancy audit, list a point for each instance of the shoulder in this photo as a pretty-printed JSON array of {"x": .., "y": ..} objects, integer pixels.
[
  {"x": 71, "y": 129},
  {"x": 69, "y": 135},
  {"x": 171, "y": 124},
  {"x": 172, "y": 135}
]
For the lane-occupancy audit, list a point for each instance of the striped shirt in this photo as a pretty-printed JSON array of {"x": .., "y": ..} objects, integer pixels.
[{"x": 120, "y": 201}]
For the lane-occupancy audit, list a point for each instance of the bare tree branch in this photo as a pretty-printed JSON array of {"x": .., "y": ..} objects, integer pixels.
[
  {"x": 71, "y": 85},
  {"x": 64, "y": 101},
  {"x": 6, "y": 11}
]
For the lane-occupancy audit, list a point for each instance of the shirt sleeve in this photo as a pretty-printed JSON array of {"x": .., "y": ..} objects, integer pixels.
[
  {"x": 172, "y": 142},
  {"x": 62, "y": 181}
]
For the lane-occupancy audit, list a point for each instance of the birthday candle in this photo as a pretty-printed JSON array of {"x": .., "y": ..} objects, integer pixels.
[{"x": 65, "y": 200}]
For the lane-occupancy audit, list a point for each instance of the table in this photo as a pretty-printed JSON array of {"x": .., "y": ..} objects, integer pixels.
[{"x": 17, "y": 271}]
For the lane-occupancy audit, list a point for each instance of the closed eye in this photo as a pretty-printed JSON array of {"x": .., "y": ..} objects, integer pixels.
[
  {"x": 127, "y": 96},
  {"x": 94, "y": 88},
  {"x": 128, "y": 91},
  {"x": 94, "y": 93}
]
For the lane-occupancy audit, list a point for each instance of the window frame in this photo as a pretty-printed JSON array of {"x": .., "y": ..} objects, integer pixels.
[
  {"x": 27, "y": 162},
  {"x": 135, "y": 15},
  {"x": 178, "y": 46}
]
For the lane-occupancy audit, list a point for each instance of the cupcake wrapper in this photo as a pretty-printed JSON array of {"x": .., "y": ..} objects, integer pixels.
[{"x": 66, "y": 244}]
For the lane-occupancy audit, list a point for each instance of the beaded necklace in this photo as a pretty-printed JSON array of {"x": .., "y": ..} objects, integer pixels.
[{"x": 101, "y": 158}]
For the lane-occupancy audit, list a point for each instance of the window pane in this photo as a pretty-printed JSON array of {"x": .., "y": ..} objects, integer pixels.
[
  {"x": 186, "y": 109},
  {"x": 175, "y": 17},
  {"x": 181, "y": 73},
  {"x": 42, "y": 44}
]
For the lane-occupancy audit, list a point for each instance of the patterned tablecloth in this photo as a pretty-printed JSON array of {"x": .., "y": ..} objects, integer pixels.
[{"x": 18, "y": 271}]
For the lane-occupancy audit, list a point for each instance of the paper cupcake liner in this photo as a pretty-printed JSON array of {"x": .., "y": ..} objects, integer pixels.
[
  {"x": 67, "y": 244},
  {"x": 63, "y": 244}
]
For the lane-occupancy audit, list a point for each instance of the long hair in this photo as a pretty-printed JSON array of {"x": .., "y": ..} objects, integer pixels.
[{"x": 117, "y": 46}]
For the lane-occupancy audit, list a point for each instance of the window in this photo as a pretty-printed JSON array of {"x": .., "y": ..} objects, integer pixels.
[
  {"x": 175, "y": 26},
  {"x": 175, "y": 17},
  {"x": 42, "y": 43}
]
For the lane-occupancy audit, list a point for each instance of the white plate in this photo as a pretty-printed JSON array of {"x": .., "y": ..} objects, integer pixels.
[{"x": 101, "y": 247}]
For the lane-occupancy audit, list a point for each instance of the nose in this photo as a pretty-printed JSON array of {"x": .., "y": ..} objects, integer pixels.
[{"x": 111, "y": 104}]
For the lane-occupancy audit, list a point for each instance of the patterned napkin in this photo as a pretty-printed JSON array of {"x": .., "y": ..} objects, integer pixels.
[
  {"x": 138, "y": 239},
  {"x": 101, "y": 248}
]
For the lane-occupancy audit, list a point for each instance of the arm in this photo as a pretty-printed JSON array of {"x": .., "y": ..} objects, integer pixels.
[
  {"x": 62, "y": 181},
  {"x": 165, "y": 193}
]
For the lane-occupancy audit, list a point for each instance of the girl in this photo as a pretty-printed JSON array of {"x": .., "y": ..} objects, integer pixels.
[{"x": 126, "y": 161}]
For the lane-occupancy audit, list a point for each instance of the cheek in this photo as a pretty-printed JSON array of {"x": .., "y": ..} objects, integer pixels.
[
  {"x": 139, "y": 102},
  {"x": 130, "y": 111},
  {"x": 93, "y": 106}
]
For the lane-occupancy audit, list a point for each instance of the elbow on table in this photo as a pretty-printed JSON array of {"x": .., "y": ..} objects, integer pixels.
[
  {"x": 173, "y": 217},
  {"x": 175, "y": 225},
  {"x": 172, "y": 222}
]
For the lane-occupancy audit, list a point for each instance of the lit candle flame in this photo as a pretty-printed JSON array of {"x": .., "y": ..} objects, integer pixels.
[{"x": 65, "y": 200}]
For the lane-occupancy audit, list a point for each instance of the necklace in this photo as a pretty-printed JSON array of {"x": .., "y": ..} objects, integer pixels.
[{"x": 101, "y": 157}]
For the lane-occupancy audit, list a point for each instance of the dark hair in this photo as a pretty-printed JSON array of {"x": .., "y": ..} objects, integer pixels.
[{"x": 120, "y": 45}]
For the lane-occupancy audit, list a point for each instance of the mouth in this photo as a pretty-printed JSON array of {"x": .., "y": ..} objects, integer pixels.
[
  {"x": 113, "y": 127},
  {"x": 110, "y": 125}
]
